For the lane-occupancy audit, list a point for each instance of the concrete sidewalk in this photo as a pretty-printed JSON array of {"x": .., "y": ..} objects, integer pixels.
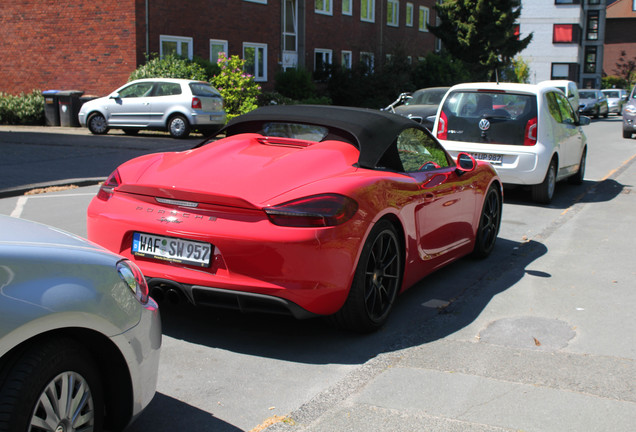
[{"x": 554, "y": 351}]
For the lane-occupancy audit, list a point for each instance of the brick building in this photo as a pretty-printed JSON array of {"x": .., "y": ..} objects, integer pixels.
[
  {"x": 94, "y": 46},
  {"x": 620, "y": 36}
]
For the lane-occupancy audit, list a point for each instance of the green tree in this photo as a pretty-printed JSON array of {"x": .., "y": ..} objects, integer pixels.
[{"x": 481, "y": 33}]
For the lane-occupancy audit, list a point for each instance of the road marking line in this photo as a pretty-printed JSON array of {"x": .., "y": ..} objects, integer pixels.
[{"x": 19, "y": 206}]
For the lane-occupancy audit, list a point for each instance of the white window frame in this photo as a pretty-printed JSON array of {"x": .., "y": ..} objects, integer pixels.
[
  {"x": 259, "y": 75},
  {"x": 411, "y": 9},
  {"x": 393, "y": 13},
  {"x": 179, "y": 40},
  {"x": 327, "y": 7},
  {"x": 348, "y": 4},
  {"x": 326, "y": 54},
  {"x": 346, "y": 59},
  {"x": 423, "y": 19},
  {"x": 370, "y": 11},
  {"x": 370, "y": 60},
  {"x": 217, "y": 42}
]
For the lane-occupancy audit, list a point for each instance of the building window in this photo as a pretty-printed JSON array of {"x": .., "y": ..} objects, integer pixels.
[
  {"x": 347, "y": 7},
  {"x": 590, "y": 60},
  {"x": 257, "y": 1},
  {"x": 255, "y": 56},
  {"x": 322, "y": 59},
  {"x": 592, "y": 25},
  {"x": 323, "y": 7},
  {"x": 217, "y": 46},
  {"x": 565, "y": 71},
  {"x": 367, "y": 10},
  {"x": 345, "y": 59},
  {"x": 593, "y": 2},
  {"x": 175, "y": 45},
  {"x": 566, "y": 33},
  {"x": 567, "y": 2},
  {"x": 423, "y": 19},
  {"x": 367, "y": 59},
  {"x": 392, "y": 13},
  {"x": 409, "y": 14},
  {"x": 290, "y": 26}
]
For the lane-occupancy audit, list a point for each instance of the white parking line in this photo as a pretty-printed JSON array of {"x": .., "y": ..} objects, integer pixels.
[{"x": 19, "y": 206}]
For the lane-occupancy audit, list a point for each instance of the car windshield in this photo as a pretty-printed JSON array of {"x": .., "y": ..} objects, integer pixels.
[
  {"x": 587, "y": 94},
  {"x": 612, "y": 94},
  {"x": 204, "y": 89},
  {"x": 487, "y": 116},
  {"x": 427, "y": 97}
]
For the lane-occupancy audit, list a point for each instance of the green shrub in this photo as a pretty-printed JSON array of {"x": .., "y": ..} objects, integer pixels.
[
  {"x": 613, "y": 81},
  {"x": 171, "y": 66},
  {"x": 27, "y": 109},
  {"x": 295, "y": 83},
  {"x": 238, "y": 88}
]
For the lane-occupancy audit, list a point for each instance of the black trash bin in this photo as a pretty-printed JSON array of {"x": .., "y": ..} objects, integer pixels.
[
  {"x": 69, "y": 103},
  {"x": 51, "y": 109}
]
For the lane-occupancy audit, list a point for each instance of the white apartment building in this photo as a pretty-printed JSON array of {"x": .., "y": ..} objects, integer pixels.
[{"x": 568, "y": 40}]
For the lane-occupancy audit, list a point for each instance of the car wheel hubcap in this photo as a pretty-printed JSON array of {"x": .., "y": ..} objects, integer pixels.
[
  {"x": 98, "y": 123},
  {"x": 65, "y": 405},
  {"x": 178, "y": 126},
  {"x": 382, "y": 276}
]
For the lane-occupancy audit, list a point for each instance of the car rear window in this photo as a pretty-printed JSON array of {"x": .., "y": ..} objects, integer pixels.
[
  {"x": 492, "y": 117},
  {"x": 204, "y": 89}
]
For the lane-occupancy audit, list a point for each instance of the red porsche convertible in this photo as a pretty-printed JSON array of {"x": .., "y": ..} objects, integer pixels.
[{"x": 305, "y": 210}]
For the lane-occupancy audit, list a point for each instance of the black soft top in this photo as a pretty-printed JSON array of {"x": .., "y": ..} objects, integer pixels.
[{"x": 372, "y": 132}]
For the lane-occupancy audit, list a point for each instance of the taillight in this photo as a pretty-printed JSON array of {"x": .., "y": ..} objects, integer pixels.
[
  {"x": 442, "y": 131},
  {"x": 530, "y": 137},
  {"x": 314, "y": 211},
  {"x": 134, "y": 279},
  {"x": 196, "y": 103},
  {"x": 106, "y": 191}
]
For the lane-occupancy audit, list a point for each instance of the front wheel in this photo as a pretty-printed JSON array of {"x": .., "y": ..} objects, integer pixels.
[
  {"x": 376, "y": 282},
  {"x": 627, "y": 134},
  {"x": 53, "y": 386},
  {"x": 97, "y": 124},
  {"x": 489, "y": 224},
  {"x": 544, "y": 191},
  {"x": 178, "y": 126}
]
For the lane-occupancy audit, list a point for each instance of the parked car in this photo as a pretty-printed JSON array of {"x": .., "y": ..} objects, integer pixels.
[
  {"x": 303, "y": 210},
  {"x": 174, "y": 105},
  {"x": 629, "y": 115},
  {"x": 615, "y": 99},
  {"x": 420, "y": 106},
  {"x": 593, "y": 103},
  {"x": 529, "y": 133},
  {"x": 569, "y": 88},
  {"x": 79, "y": 336}
]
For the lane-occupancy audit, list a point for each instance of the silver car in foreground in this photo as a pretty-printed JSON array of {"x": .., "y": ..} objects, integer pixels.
[
  {"x": 178, "y": 106},
  {"x": 79, "y": 336}
]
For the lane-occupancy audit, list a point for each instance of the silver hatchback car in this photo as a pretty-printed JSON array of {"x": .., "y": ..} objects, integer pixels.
[
  {"x": 79, "y": 336},
  {"x": 176, "y": 105}
]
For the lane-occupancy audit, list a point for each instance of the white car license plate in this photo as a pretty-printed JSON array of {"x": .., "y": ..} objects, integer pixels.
[
  {"x": 172, "y": 249},
  {"x": 492, "y": 158}
]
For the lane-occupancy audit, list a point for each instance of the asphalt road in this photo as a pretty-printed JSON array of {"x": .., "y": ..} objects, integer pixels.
[{"x": 538, "y": 337}]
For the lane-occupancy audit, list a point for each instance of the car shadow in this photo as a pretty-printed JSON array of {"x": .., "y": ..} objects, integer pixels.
[
  {"x": 183, "y": 417},
  {"x": 441, "y": 304}
]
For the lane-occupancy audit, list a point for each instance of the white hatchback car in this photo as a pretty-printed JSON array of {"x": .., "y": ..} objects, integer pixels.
[
  {"x": 175, "y": 105},
  {"x": 529, "y": 133}
]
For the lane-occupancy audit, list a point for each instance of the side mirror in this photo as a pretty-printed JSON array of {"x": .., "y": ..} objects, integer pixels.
[
  {"x": 465, "y": 163},
  {"x": 584, "y": 120},
  {"x": 114, "y": 96}
]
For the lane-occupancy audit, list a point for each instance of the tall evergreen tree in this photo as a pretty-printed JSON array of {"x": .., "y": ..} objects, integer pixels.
[{"x": 481, "y": 33}]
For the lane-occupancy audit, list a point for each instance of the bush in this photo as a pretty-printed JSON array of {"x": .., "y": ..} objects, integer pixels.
[
  {"x": 171, "y": 66},
  {"x": 295, "y": 84},
  {"x": 27, "y": 109},
  {"x": 613, "y": 81},
  {"x": 238, "y": 88}
]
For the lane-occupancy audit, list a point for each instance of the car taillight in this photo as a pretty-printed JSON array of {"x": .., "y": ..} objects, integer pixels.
[
  {"x": 314, "y": 211},
  {"x": 134, "y": 279},
  {"x": 442, "y": 131},
  {"x": 196, "y": 103},
  {"x": 106, "y": 190},
  {"x": 530, "y": 137}
]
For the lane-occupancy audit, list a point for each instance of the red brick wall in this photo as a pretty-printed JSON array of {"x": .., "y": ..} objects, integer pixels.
[
  {"x": 619, "y": 37},
  {"x": 67, "y": 45}
]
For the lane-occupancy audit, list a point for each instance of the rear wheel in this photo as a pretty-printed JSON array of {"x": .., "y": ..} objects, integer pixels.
[
  {"x": 578, "y": 177},
  {"x": 376, "y": 282},
  {"x": 53, "y": 386},
  {"x": 489, "y": 224},
  {"x": 544, "y": 191},
  {"x": 178, "y": 126},
  {"x": 97, "y": 124}
]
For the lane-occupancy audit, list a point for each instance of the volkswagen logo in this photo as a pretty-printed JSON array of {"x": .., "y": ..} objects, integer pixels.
[{"x": 484, "y": 124}]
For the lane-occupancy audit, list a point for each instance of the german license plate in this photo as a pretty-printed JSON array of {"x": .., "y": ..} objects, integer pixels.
[
  {"x": 172, "y": 249},
  {"x": 492, "y": 158}
]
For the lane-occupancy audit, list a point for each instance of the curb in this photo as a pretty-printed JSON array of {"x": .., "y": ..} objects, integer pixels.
[{"x": 21, "y": 190}]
